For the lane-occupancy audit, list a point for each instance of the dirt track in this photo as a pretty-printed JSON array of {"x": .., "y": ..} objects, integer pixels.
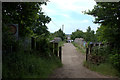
[{"x": 73, "y": 65}]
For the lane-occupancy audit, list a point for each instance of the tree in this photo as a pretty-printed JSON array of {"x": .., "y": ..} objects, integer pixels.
[
  {"x": 29, "y": 17},
  {"x": 108, "y": 15},
  {"x": 77, "y": 34},
  {"x": 90, "y": 35},
  {"x": 60, "y": 34}
]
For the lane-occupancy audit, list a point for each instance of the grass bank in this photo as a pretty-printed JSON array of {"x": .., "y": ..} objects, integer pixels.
[
  {"x": 81, "y": 49},
  {"x": 104, "y": 68},
  {"x": 61, "y": 43},
  {"x": 26, "y": 65}
]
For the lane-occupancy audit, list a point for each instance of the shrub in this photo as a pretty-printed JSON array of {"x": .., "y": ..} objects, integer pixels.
[
  {"x": 25, "y": 65},
  {"x": 42, "y": 46},
  {"x": 115, "y": 59}
]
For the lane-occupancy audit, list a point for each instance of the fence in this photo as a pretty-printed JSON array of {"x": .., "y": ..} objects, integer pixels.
[
  {"x": 55, "y": 49},
  {"x": 53, "y": 46},
  {"x": 30, "y": 44},
  {"x": 89, "y": 57}
]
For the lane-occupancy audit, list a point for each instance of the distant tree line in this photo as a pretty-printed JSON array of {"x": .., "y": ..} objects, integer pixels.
[
  {"x": 58, "y": 33},
  {"x": 89, "y": 35}
]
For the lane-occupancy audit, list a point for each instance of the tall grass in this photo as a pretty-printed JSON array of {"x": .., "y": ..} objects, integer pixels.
[
  {"x": 61, "y": 43},
  {"x": 104, "y": 68},
  {"x": 81, "y": 49},
  {"x": 26, "y": 65}
]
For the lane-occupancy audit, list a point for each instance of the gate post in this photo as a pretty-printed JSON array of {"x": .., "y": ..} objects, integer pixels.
[
  {"x": 60, "y": 53},
  {"x": 32, "y": 43},
  {"x": 56, "y": 49},
  {"x": 51, "y": 48},
  {"x": 87, "y": 49}
]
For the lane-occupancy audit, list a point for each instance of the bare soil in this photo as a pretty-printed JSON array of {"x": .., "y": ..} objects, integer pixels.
[{"x": 73, "y": 65}]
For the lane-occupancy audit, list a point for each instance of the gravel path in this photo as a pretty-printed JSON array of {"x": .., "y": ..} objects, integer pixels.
[{"x": 73, "y": 65}]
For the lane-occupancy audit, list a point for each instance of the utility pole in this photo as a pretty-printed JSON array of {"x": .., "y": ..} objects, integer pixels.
[{"x": 62, "y": 27}]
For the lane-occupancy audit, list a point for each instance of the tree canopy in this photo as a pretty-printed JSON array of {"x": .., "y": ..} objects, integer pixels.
[
  {"x": 89, "y": 35},
  {"x": 108, "y": 16},
  {"x": 77, "y": 34},
  {"x": 60, "y": 34},
  {"x": 28, "y": 16}
]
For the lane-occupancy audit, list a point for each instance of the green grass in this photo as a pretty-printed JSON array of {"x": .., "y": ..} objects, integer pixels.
[
  {"x": 26, "y": 65},
  {"x": 104, "y": 68},
  {"x": 81, "y": 49},
  {"x": 61, "y": 43}
]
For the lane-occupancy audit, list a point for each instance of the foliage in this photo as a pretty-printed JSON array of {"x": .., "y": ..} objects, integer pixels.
[
  {"x": 104, "y": 68},
  {"x": 60, "y": 34},
  {"x": 26, "y": 65},
  {"x": 61, "y": 43},
  {"x": 29, "y": 17},
  {"x": 32, "y": 23},
  {"x": 80, "y": 48},
  {"x": 115, "y": 59},
  {"x": 88, "y": 36},
  {"x": 77, "y": 34},
  {"x": 51, "y": 36},
  {"x": 101, "y": 51},
  {"x": 42, "y": 46},
  {"x": 107, "y": 15}
]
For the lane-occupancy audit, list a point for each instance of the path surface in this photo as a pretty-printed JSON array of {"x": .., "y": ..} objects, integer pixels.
[{"x": 73, "y": 65}]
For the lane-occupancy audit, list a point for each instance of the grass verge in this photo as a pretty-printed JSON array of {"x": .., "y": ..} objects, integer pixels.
[
  {"x": 104, "y": 68},
  {"x": 61, "y": 43},
  {"x": 26, "y": 65},
  {"x": 81, "y": 49}
]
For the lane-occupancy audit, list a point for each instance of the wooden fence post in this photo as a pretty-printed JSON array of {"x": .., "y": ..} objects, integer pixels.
[
  {"x": 60, "y": 53},
  {"x": 56, "y": 49},
  {"x": 32, "y": 43},
  {"x": 51, "y": 48},
  {"x": 87, "y": 49},
  {"x": 91, "y": 45}
]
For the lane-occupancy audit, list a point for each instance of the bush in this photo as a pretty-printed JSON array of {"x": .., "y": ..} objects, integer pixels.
[
  {"x": 115, "y": 59},
  {"x": 42, "y": 46},
  {"x": 103, "y": 52},
  {"x": 25, "y": 65},
  {"x": 103, "y": 68},
  {"x": 110, "y": 55}
]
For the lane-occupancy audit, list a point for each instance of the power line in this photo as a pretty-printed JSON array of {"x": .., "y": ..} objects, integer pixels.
[{"x": 51, "y": 19}]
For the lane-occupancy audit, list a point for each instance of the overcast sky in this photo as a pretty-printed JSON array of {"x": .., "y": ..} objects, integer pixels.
[{"x": 69, "y": 13}]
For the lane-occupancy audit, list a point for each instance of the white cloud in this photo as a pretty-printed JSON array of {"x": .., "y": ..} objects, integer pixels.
[
  {"x": 68, "y": 5},
  {"x": 63, "y": 9},
  {"x": 74, "y": 5}
]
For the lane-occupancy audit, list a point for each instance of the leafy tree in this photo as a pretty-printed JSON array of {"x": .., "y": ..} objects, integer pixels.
[
  {"x": 108, "y": 16},
  {"x": 41, "y": 24},
  {"x": 89, "y": 35},
  {"x": 77, "y": 34},
  {"x": 27, "y": 15},
  {"x": 60, "y": 34}
]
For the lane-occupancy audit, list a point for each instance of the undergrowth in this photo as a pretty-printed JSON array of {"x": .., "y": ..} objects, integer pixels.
[
  {"x": 26, "y": 65},
  {"x": 81, "y": 49},
  {"x": 104, "y": 68}
]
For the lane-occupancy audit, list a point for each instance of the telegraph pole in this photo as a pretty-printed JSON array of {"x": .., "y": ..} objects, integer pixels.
[{"x": 62, "y": 27}]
